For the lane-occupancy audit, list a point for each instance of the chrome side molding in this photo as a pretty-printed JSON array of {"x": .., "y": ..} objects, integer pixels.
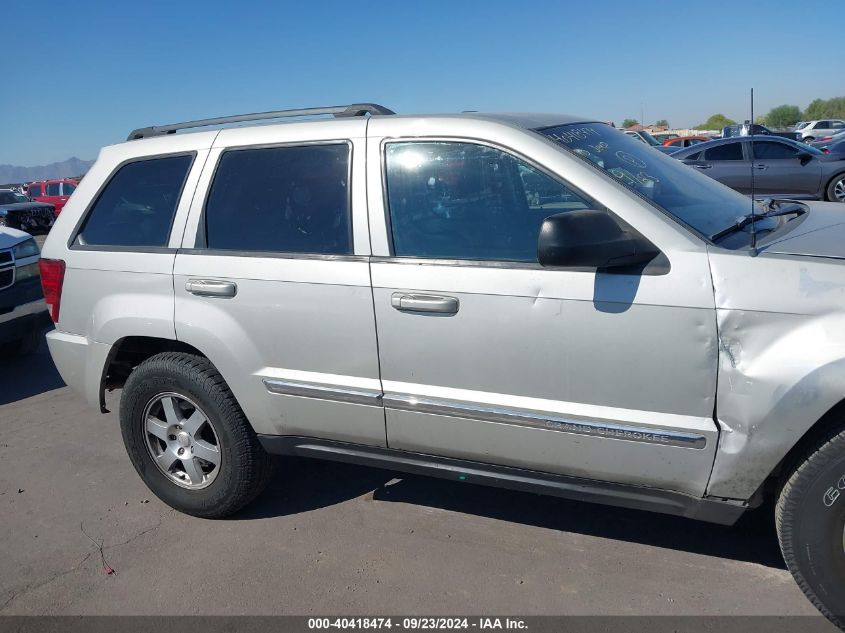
[
  {"x": 436, "y": 406},
  {"x": 472, "y": 411},
  {"x": 323, "y": 392}
]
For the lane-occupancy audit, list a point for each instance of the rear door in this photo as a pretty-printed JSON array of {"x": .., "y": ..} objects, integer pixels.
[
  {"x": 728, "y": 163},
  {"x": 779, "y": 170},
  {"x": 273, "y": 281}
]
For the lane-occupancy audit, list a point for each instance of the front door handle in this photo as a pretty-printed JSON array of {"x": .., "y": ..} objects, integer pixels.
[
  {"x": 703, "y": 166},
  {"x": 761, "y": 166},
  {"x": 424, "y": 303},
  {"x": 211, "y": 287}
]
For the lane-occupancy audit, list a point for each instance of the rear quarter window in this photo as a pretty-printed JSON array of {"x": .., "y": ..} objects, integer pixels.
[{"x": 137, "y": 206}]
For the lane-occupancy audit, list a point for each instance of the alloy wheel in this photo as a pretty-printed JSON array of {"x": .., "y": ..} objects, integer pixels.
[{"x": 181, "y": 440}]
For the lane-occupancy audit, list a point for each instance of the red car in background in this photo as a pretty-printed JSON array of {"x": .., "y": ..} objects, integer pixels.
[
  {"x": 685, "y": 141},
  {"x": 55, "y": 192}
]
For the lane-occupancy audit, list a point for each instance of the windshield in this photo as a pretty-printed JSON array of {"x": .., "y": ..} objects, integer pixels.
[
  {"x": 696, "y": 200},
  {"x": 10, "y": 197}
]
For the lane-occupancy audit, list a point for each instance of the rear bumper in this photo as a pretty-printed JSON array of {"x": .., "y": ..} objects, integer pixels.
[{"x": 80, "y": 363}]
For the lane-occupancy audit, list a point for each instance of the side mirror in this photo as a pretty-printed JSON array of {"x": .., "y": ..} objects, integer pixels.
[
  {"x": 805, "y": 158},
  {"x": 588, "y": 238}
]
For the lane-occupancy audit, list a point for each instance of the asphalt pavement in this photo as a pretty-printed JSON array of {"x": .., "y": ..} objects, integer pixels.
[{"x": 338, "y": 539}]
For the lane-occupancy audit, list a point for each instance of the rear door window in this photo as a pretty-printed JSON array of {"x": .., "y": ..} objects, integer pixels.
[
  {"x": 67, "y": 188},
  {"x": 728, "y": 151},
  {"x": 281, "y": 199},
  {"x": 54, "y": 189},
  {"x": 137, "y": 206}
]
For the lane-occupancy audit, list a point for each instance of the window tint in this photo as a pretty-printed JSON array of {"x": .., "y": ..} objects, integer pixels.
[
  {"x": 34, "y": 190},
  {"x": 137, "y": 206},
  {"x": 465, "y": 201},
  {"x": 694, "y": 156},
  {"x": 67, "y": 188},
  {"x": 728, "y": 151},
  {"x": 53, "y": 189},
  {"x": 772, "y": 150},
  {"x": 282, "y": 199}
]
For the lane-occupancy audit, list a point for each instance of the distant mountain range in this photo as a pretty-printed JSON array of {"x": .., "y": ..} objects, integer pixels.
[{"x": 14, "y": 174}]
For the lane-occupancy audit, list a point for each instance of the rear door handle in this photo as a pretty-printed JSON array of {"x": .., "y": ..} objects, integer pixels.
[
  {"x": 761, "y": 166},
  {"x": 703, "y": 166},
  {"x": 424, "y": 303},
  {"x": 211, "y": 288}
]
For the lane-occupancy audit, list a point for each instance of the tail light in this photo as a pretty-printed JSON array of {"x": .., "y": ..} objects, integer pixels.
[{"x": 52, "y": 278}]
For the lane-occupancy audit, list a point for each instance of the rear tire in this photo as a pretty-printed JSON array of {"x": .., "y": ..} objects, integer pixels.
[
  {"x": 836, "y": 188},
  {"x": 810, "y": 520},
  {"x": 158, "y": 424}
]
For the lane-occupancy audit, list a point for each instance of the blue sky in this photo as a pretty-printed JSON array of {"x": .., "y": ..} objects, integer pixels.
[{"x": 94, "y": 70}]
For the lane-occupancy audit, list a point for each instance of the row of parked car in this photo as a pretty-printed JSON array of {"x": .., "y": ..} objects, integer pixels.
[
  {"x": 778, "y": 165},
  {"x": 35, "y": 206},
  {"x": 25, "y": 210}
]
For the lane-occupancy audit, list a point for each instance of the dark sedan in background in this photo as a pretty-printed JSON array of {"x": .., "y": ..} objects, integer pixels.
[
  {"x": 782, "y": 168},
  {"x": 19, "y": 212}
]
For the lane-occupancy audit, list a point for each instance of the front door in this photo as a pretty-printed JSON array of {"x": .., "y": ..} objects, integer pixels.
[
  {"x": 487, "y": 356},
  {"x": 779, "y": 170}
]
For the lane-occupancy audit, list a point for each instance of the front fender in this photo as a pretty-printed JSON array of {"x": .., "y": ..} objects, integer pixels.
[{"x": 780, "y": 369}]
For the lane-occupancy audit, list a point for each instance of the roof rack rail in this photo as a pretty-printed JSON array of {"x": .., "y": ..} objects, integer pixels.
[{"x": 356, "y": 109}]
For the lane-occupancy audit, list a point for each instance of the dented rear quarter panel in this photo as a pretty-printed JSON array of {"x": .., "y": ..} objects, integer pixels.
[{"x": 781, "y": 324}]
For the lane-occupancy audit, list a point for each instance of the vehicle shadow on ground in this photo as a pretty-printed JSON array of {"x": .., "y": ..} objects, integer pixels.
[
  {"x": 26, "y": 376},
  {"x": 304, "y": 484}
]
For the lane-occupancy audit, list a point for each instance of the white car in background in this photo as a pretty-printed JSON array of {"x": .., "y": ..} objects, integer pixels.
[
  {"x": 23, "y": 313},
  {"x": 814, "y": 130}
]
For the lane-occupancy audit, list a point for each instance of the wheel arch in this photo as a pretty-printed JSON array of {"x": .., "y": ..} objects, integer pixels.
[
  {"x": 828, "y": 184},
  {"x": 829, "y": 423},
  {"x": 129, "y": 352}
]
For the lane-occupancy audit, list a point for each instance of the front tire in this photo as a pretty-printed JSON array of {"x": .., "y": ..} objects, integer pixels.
[
  {"x": 810, "y": 520},
  {"x": 188, "y": 438}
]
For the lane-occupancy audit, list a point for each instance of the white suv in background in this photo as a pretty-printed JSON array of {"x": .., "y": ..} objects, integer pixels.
[{"x": 813, "y": 130}]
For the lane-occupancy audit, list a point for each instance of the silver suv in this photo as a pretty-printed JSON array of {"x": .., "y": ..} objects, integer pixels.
[{"x": 537, "y": 302}]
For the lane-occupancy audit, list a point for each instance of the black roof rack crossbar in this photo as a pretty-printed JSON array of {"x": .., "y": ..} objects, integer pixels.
[{"x": 356, "y": 109}]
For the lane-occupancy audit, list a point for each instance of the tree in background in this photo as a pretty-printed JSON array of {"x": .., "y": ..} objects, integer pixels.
[
  {"x": 662, "y": 123},
  {"x": 783, "y": 116},
  {"x": 825, "y": 109},
  {"x": 715, "y": 122},
  {"x": 629, "y": 122}
]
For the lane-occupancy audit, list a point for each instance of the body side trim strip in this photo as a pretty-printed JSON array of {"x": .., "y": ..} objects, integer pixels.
[
  {"x": 324, "y": 392},
  {"x": 472, "y": 411},
  {"x": 436, "y": 406}
]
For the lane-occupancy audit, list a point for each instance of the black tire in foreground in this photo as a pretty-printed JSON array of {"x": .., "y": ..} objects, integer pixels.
[
  {"x": 242, "y": 468},
  {"x": 810, "y": 519}
]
